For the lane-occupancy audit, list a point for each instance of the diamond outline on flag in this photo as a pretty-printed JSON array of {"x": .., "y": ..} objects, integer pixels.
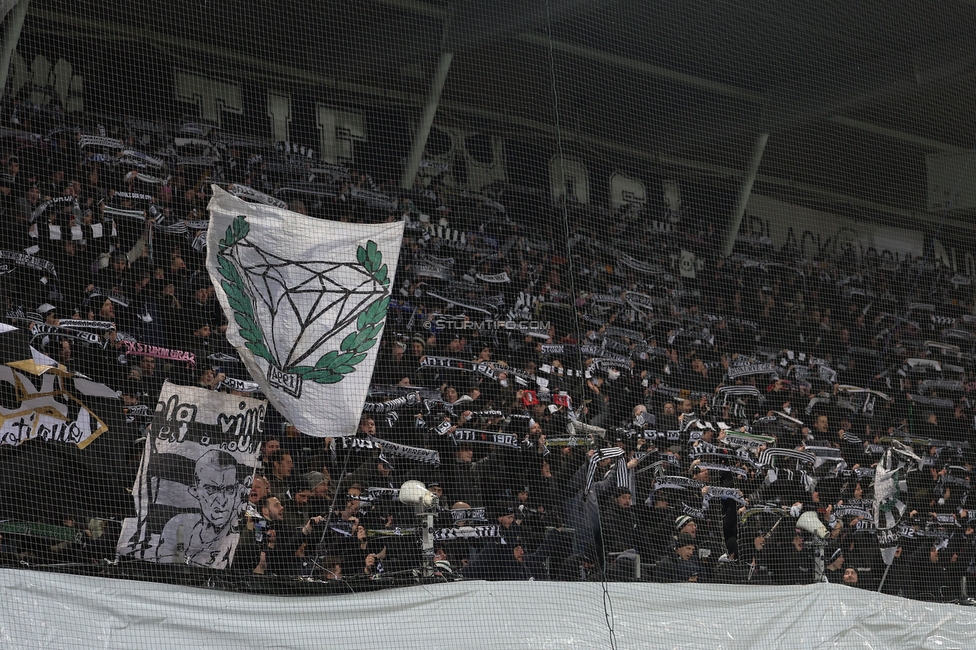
[{"x": 326, "y": 298}]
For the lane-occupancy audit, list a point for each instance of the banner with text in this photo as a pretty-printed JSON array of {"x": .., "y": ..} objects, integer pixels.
[{"x": 195, "y": 475}]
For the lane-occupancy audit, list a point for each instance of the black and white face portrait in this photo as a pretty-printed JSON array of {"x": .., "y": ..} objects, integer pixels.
[{"x": 216, "y": 488}]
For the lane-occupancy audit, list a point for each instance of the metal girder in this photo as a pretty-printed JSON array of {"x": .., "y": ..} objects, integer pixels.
[
  {"x": 11, "y": 34},
  {"x": 781, "y": 116},
  {"x": 836, "y": 91},
  {"x": 263, "y": 68},
  {"x": 708, "y": 169},
  {"x": 745, "y": 191},
  {"x": 643, "y": 67},
  {"x": 5, "y": 7},
  {"x": 426, "y": 121},
  {"x": 183, "y": 49},
  {"x": 892, "y": 134},
  {"x": 593, "y": 54},
  {"x": 416, "y": 7},
  {"x": 506, "y": 18},
  {"x": 725, "y": 90},
  {"x": 476, "y": 21}
]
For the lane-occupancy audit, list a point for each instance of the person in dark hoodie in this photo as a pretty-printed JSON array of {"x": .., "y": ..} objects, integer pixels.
[
  {"x": 682, "y": 565},
  {"x": 500, "y": 562},
  {"x": 462, "y": 477}
]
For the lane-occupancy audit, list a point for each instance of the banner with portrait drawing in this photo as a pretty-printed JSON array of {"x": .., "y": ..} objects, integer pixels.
[{"x": 195, "y": 475}]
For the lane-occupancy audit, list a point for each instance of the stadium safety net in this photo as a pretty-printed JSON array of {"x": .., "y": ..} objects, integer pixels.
[{"x": 534, "y": 323}]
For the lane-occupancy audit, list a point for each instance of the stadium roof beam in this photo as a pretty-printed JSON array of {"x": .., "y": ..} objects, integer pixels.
[
  {"x": 925, "y": 143},
  {"x": 834, "y": 92},
  {"x": 711, "y": 169},
  {"x": 822, "y": 112},
  {"x": 745, "y": 191},
  {"x": 641, "y": 66},
  {"x": 869, "y": 82},
  {"x": 723, "y": 89},
  {"x": 7, "y": 5},
  {"x": 782, "y": 118},
  {"x": 426, "y": 120},
  {"x": 508, "y": 17},
  {"x": 11, "y": 34},
  {"x": 430, "y": 106},
  {"x": 271, "y": 70},
  {"x": 416, "y": 7}
]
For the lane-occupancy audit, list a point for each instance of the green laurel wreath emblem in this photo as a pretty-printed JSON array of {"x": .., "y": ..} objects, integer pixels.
[{"x": 333, "y": 366}]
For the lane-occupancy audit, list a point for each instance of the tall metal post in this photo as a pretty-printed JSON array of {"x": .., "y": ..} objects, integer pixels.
[
  {"x": 423, "y": 130},
  {"x": 11, "y": 36},
  {"x": 744, "y": 192}
]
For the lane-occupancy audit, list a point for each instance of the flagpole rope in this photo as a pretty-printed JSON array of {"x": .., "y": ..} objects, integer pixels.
[{"x": 579, "y": 379}]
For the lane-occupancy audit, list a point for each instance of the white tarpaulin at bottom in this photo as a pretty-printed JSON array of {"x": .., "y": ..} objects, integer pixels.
[{"x": 50, "y": 610}]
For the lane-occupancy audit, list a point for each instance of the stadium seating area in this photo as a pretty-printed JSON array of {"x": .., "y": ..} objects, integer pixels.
[{"x": 586, "y": 404}]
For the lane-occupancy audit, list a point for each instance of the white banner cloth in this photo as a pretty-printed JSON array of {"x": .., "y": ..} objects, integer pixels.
[
  {"x": 51, "y": 610},
  {"x": 306, "y": 299},
  {"x": 196, "y": 472}
]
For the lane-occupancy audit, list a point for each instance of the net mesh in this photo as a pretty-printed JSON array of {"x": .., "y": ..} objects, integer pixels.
[{"x": 632, "y": 293}]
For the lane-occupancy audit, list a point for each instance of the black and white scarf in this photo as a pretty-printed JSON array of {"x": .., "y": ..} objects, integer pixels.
[
  {"x": 51, "y": 332},
  {"x": 57, "y": 204},
  {"x": 355, "y": 443},
  {"x": 466, "y": 532},
  {"x": 734, "y": 494},
  {"x": 117, "y": 297},
  {"x": 419, "y": 454},
  {"x": 10, "y": 259},
  {"x": 469, "y": 514},
  {"x": 768, "y": 456},
  {"x": 93, "y": 325},
  {"x": 141, "y": 203},
  {"x": 747, "y": 441},
  {"x": 671, "y": 482},
  {"x": 509, "y": 440},
  {"x": 250, "y": 194},
  {"x": 748, "y": 369},
  {"x": 482, "y": 367},
  {"x": 239, "y": 385},
  {"x": 391, "y": 405},
  {"x": 607, "y": 453},
  {"x": 480, "y": 308}
]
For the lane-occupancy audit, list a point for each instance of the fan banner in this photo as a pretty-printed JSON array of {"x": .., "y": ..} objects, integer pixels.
[
  {"x": 44, "y": 400},
  {"x": 49, "y": 407},
  {"x": 306, "y": 302},
  {"x": 195, "y": 475}
]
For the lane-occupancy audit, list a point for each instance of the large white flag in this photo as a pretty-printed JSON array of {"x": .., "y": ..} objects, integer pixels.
[{"x": 306, "y": 299}]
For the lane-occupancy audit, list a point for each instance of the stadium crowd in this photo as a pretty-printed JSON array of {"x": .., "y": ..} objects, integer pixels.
[{"x": 592, "y": 394}]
